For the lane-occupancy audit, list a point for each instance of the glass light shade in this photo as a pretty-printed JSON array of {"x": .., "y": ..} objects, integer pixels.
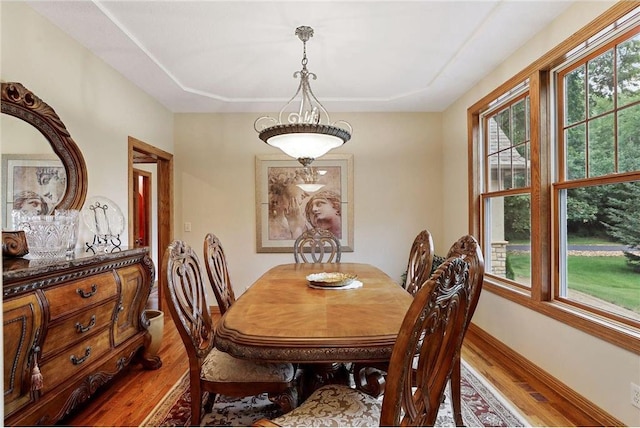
[
  {"x": 305, "y": 145},
  {"x": 310, "y": 187}
]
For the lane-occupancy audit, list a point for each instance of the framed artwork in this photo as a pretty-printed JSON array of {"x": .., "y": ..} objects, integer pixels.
[
  {"x": 34, "y": 183},
  {"x": 284, "y": 209}
]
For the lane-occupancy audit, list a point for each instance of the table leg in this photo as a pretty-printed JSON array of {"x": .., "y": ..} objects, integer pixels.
[
  {"x": 370, "y": 378},
  {"x": 318, "y": 374},
  {"x": 287, "y": 400}
]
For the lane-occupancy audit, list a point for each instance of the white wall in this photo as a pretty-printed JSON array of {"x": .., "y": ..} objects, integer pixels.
[
  {"x": 595, "y": 369},
  {"x": 99, "y": 107},
  {"x": 397, "y": 185}
]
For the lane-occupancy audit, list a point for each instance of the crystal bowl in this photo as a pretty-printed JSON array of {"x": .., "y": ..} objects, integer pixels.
[{"x": 48, "y": 236}]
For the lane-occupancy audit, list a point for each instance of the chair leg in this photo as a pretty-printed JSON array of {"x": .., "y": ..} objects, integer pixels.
[
  {"x": 208, "y": 405},
  {"x": 456, "y": 377},
  {"x": 196, "y": 403}
]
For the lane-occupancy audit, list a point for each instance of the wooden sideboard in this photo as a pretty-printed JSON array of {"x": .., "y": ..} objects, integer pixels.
[{"x": 69, "y": 326}]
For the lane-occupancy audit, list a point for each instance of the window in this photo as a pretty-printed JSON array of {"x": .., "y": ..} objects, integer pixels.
[
  {"x": 556, "y": 172},
  {"x": 506, "y": 197},
  {"x": 597, "y": 185}
]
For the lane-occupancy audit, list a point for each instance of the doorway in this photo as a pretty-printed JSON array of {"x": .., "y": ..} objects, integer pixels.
[
  {"x": 142, "y": 208},
  {"x": 160, "y": 232}
]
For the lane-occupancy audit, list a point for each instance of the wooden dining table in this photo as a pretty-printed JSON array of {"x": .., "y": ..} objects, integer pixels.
[{"x": 280, "y": 318}]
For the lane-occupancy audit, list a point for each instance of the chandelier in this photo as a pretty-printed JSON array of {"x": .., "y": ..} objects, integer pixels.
[{"x": 307, "y": 133}]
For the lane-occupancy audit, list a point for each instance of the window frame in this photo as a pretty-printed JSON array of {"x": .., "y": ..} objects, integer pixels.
[
  {"x": 508, "y": 101},
  {"x": 543, "y": 191},
  {"x": 573, "y": 184}
]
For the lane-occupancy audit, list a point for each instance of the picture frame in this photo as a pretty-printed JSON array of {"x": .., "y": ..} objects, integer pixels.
[
  {"x": 281, "y": 206},
  {"x": 39, "y": 179}
]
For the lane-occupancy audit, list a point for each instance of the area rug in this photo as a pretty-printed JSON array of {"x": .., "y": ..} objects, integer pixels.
[{"x": 482, "y": 406}]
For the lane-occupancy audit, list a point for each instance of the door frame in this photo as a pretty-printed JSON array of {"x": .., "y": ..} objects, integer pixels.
[{"x": 141, "y": 152}]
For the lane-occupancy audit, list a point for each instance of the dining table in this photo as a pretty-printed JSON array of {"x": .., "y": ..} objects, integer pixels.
[{"x": 283, "y": 317}]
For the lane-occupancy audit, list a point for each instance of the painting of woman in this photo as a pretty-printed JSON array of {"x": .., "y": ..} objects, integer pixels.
[
  {"x": 293, "y": 210},
  {"x": 323, "y": 211}
]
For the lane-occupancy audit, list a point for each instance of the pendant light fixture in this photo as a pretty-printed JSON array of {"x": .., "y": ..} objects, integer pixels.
[{"x": 307, "y": 133}]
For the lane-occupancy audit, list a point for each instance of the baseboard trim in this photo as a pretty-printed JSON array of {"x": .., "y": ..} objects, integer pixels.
[{"x": 491, "y": 345}]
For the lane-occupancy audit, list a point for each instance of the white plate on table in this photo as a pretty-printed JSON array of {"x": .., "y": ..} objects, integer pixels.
[{"x": 331, "y": 279}]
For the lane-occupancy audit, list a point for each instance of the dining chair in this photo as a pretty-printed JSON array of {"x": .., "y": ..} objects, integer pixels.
[
  {"x": 469, "y": 250},
  {"x": 313, "y": 245},
  {"x": 211, "y": 370},
  {"x": 428, "y": 342},
  {"x": 218, "y": 273},
  {"x": 418, "y": 271},
  {"x": 420, "y": 261}
]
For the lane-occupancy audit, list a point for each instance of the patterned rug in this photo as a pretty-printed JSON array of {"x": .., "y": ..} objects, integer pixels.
[{"x": 482, "y": 406}]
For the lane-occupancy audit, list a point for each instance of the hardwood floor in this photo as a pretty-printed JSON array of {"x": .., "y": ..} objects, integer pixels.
[
  {"x": 540, "y": 404},
  {"x": 134, "y": 393}
]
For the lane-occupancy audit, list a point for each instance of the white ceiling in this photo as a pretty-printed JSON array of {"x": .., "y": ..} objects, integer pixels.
[{"x": 240, "y": 56}]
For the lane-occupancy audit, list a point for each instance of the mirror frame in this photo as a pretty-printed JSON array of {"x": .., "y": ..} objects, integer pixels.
[{"x": 20, "y": 102}]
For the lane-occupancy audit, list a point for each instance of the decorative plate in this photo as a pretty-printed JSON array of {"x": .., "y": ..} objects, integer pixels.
[
  {"x": 331, "y": 279},
  {"x": 103, "y": 217}
]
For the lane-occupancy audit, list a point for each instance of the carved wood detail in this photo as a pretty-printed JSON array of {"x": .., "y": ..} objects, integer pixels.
[
  {"x": 14, "y": 244},
  {"x": 302, "y": 354}
]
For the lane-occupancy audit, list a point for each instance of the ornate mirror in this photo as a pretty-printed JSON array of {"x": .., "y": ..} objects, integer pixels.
[{"x": 18, "y": 101}]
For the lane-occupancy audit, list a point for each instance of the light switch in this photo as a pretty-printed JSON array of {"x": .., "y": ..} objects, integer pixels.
[{"x": 187, "y": 226}]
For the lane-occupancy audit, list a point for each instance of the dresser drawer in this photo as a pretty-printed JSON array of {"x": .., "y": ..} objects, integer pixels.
[
  {"x": 66, "y": 365},
  {"x": 77, "y": 327},
  {"x": 79, "y": 294}
]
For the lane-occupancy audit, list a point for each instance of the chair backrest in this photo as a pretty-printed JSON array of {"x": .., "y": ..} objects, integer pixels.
[
  {"x": 469, "y": 250},
  {"x": 186, "y": 298},
  {"x": 428, "y": 343},
  {"x": 216, "y": 264},
  {"x": 420, "y": 261},
  {"x": 317, "y": 246}
]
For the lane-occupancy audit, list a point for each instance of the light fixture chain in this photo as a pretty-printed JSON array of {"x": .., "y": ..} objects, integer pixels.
[
  {"x": 304, "y": 55},
  {"x": 304, "y": 33}
]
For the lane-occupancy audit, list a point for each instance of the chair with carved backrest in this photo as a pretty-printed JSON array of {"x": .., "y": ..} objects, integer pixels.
[
  {"x": 313, "y": 245},
  {"x": 218, "y": 272},
  {"x": 420, "y": 261},
  {"x": 418, "y": 271},
  {"x": 211, "y": 370},
  {"x": 428, "y": 343},
  {"x": 469, "y": 250}
]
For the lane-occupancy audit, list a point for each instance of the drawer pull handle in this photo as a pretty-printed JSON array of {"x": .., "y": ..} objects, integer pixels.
[
  {"x": 85, "y": 295},
  {"x": 82, "y": 329},
  {"x": 77, "y": 361}
]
